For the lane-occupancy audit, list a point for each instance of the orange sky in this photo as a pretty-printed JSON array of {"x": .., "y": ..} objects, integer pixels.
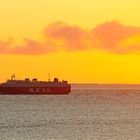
[{"x": 80, "y": 41}]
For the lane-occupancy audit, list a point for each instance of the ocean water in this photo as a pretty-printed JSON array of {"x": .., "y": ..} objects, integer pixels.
[{"x": 89, "y": 112}]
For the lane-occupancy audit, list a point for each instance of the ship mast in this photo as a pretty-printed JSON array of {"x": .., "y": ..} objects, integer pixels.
[
  {"x": 49, "y": 77},
  {"x": 13, "y": 77}
]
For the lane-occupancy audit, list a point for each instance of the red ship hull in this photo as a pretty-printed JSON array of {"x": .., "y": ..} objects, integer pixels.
[
  {"x": 4, "y": 90},
  {"x": 28, "y": 87}
]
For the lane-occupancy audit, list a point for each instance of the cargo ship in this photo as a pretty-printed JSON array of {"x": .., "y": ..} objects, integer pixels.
[{"x": 34, "y": 86}]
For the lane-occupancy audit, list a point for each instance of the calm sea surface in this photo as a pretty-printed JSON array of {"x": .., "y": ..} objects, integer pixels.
[{"x": 90, "y": 112}]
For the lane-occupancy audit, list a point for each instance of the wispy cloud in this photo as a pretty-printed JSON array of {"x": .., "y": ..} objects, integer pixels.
[
  {"x": 110, "y": 36},
  {"x": 32, "y": 47},
  {"x": 5, "y": 46}
]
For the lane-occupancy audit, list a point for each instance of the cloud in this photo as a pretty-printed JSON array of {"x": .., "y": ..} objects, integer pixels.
[
  {"x": 68, "y": 37},
  {"x": 32, "y": 47},
  {"x": 111, "y": 37},
  {"x": 5, "y": 46}
]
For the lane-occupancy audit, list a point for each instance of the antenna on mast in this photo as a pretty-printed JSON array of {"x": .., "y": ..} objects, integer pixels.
[
  {"x": 13, "y": 77},
  {"x": 49, "y": 77}
]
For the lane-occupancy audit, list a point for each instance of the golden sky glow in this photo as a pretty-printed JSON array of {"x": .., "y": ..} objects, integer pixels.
[{"x": 93, "y": 41}]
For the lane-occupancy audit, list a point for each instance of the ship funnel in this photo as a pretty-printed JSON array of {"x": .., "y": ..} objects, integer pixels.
[
  {"x": 56, "y": 80},
  {"x": 34, "y": 80}
]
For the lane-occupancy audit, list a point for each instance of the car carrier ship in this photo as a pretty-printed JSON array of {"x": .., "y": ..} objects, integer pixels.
[{"x": 34, "y": 86}]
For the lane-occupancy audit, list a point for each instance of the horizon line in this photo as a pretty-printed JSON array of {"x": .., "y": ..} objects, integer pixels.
[{"x": 105, "y": 83}]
